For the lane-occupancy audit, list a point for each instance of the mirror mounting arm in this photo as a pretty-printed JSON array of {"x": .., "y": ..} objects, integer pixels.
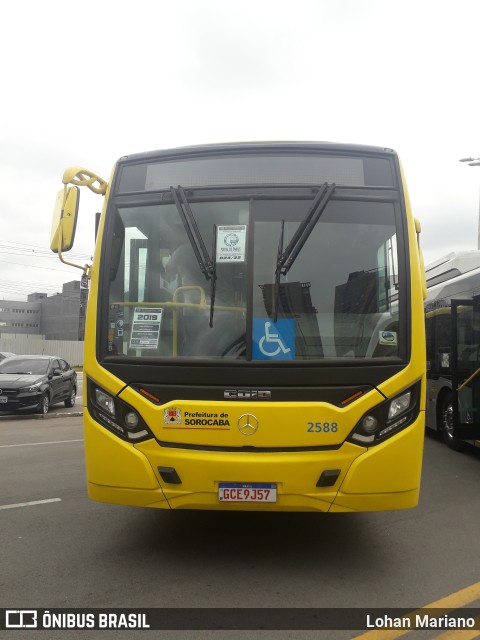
[
  {"x": 85, "y": 268},
  {"x": 80, "y": 177}
]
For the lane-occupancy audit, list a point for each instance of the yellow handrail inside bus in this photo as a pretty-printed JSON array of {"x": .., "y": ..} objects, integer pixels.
[
  {"x": 175, "y": 305},
  {"x": 201, "y": 304},
  {"x": 469, "y": 379}
]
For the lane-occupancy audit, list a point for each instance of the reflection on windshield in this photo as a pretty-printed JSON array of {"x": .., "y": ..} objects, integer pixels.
[
  {"x": 338, "y": 298},
  {"x": 160, "y": 300},
  {"x": 24, "y": 366}
]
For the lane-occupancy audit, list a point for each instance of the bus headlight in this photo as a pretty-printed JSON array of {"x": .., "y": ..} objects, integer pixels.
[
  {"x": 369, "y": 424},
  {"x": 399, "y": 405},
  {"x": 387, "y": 418},
  {"x": 104, "y": 401},
  {"x": 116, "y": 415},
  {"x": 131, "y": 420}
]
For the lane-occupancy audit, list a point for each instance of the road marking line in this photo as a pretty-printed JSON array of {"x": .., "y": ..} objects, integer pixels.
[
  {"x": 460, "y": 634},
  {"x": 29, "y": 504},
  {"x": 34, "y": 444},
  {"x": 449, "y": 603}
]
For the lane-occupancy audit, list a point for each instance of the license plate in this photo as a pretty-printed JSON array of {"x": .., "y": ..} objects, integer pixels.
[
  {"x": 3, "y": 399},
  {"x": 242, "y": 492}
]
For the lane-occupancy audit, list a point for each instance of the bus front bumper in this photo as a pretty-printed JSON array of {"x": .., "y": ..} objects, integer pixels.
[{"x": 383, "y": 477}]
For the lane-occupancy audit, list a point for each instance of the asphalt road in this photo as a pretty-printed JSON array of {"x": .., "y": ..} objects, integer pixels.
[{"x": 66, "y": 551}]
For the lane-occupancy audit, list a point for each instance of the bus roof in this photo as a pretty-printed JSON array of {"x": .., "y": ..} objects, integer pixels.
[
  {"x": 451, "y": 265},
  {"x": 454, "y": 276},
  {"x": 277, "y": 146},
  {"x": 258, "y": 164}
]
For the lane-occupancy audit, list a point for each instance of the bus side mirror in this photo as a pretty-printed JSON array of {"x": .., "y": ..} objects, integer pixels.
[{"x": 64, "y": 219}]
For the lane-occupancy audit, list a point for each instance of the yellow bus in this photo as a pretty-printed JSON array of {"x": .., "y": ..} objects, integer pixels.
[{"x": 255, "y": 330}]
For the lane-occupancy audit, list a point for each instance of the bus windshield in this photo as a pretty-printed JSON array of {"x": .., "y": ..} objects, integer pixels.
[{"x": 339, "y": 298}]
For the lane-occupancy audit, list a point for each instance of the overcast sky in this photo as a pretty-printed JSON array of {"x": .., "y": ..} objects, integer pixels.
[{"x": 85, "y": 83}]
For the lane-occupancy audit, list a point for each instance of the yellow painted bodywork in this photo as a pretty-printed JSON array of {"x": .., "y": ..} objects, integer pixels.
[
  {"x": 379, "y": 478},
  {"x": 382, "y": 477}
]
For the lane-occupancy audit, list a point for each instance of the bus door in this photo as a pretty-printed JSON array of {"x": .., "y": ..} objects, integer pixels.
[{"x": 466, "y": 368}]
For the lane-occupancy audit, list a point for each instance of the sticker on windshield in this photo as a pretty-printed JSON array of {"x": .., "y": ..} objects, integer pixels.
[
  {"x": 145, "y": 328},
  {"x": 273, "y": 340},
  {"x": 231, "y": 243},
  {"x": 388, "y": 337}
]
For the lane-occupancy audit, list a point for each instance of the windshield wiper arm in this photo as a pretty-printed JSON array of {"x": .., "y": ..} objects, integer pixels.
[
  {"x": 305, "y": 228},
  {"x": 208, "y": 265},
  {"x": 213, "y": 282},
  {"x": 276, "y": 291},
  {"x": 286, "y": 258},
  {"x": 193, "y": 232}
]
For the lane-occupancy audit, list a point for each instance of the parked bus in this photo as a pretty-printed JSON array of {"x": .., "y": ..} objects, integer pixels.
[
  {"x": 254, "y": 333},
  {"x": 452, "y": 315}
]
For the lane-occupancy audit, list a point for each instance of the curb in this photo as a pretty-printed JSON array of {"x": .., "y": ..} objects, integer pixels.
[{"x": 33, "y": 416}]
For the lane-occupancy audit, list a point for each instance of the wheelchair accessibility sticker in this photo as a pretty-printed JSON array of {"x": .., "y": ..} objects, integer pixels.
[{"x": 273, "y": 340}]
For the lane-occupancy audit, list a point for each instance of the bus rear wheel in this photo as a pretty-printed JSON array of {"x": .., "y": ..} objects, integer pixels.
[{"x": 446, "y": 424}]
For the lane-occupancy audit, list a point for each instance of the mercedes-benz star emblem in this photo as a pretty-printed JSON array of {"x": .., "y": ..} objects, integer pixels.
[{"x": 247, "y": 424}]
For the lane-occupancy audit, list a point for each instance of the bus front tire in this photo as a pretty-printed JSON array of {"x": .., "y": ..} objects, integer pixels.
[{"x": 446, "y": 423}]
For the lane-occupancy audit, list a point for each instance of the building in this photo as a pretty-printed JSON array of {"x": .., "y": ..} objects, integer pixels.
[{"x": 57, "y": 317}]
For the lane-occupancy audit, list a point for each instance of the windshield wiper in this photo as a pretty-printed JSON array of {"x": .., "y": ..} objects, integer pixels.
[
  {"x": 213, "y": 282},
  {"x": 277, "y": 273},
  {"x": 305, "y": 228},
  {"x": 193, "y": 232},
  {"x": 286, "y": 258},
  {"x": 208, "y": 265}
]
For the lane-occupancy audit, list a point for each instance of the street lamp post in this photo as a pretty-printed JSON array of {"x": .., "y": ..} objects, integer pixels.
[{"x": 474, "y": 162}]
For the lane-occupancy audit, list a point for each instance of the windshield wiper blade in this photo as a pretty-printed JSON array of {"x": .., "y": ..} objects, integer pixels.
[
  {"x": 276, "y": 291},
  {"x": 286, "y": 258},
  {"x": 305, "y": 228},
  {"x": 213, "y": 283},
  {"x": 193, "y": 232},
  {"x": 208, "y": 265}
]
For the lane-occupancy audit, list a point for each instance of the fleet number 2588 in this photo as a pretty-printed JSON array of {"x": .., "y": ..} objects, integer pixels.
[{"x": 322, "y": 427}]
